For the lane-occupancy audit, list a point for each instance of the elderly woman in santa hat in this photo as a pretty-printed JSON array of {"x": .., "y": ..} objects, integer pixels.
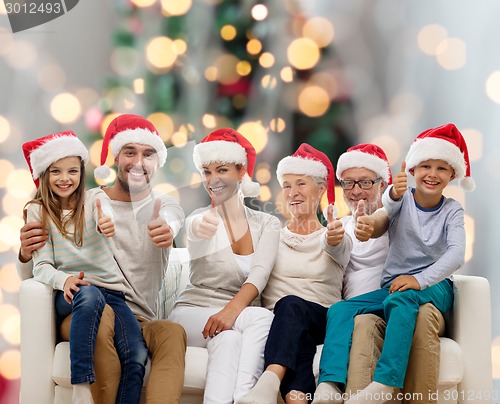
[
  {"x": 232, "y": 250},
  {"x": 306, "y": 279}
]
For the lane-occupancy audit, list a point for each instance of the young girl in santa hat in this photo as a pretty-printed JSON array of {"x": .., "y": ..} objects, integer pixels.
[
  {"x": 426, "y": 245},
  {"x": 232, "y": 250},
  {"x": 77, "y": 262}
]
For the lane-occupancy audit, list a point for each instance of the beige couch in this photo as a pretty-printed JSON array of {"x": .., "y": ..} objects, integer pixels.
[{"x": 465, "y": 367}]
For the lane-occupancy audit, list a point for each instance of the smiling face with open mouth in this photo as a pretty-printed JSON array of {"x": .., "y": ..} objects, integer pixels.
[
  {"x": 302, "y": 194},
  {"x": 136, "y": 164},
  {"x": 431, "y": 177},
  {"x": 221, "y": 180},
  {"x": 64, "y": 179}
]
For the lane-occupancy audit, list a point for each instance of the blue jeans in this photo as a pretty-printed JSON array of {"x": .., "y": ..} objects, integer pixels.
[
  {"x": 400, "y": 311},
  {"x": 298, "y": 326},
  {"x": 87, "y": 307}
]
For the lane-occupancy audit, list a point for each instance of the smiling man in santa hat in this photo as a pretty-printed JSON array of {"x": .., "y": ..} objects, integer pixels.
[{"x": 146, "y": 224}]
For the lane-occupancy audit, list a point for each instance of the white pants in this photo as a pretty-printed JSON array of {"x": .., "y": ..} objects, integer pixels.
[{"x": 235, "y": 357}]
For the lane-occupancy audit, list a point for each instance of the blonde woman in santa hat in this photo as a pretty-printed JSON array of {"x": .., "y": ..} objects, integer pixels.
[
  {"x": 79, "y": 224},
  {"x": 427, "y": 244},
  {"x": 232, "y": 250},
  {"x": 306, "y": 280}
]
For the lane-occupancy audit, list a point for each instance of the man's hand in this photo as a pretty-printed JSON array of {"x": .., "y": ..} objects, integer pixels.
[
  {"x": 399, "y": 183},
  {"x": 334, "y": 228},
  {"x": 365, "y": 224},
  {"x": 205, "y": 226},
  {"x": 71, "y": 285},
  {"x": 218, "y": 322},
  {"x": 404, "y": 282},
  {"x": 159, "y": 231},
  {"x": 32, "y": 237},
  {"x": 104, "y": 223}
]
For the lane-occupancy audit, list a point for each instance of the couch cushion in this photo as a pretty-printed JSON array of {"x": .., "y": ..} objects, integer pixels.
[
  {"x": 61, "y": 371},
  {"x": 451, "y": 363}
]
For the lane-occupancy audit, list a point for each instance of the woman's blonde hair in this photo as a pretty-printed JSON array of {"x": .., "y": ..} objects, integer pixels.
[{"x": 50, "y": 208}]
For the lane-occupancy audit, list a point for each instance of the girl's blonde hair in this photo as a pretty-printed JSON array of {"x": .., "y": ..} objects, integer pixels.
[{"x": 50, "y": 208}]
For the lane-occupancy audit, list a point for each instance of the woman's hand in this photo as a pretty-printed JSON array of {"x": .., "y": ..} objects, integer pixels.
[{"x": 218, "y": 322}]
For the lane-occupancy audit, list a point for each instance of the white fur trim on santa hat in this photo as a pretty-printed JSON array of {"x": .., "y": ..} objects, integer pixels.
[
  {"x": 436, "y": 149},
  {"x": 219, "y": 151},
  {"x": 55, "y": 149},
  {"x": 358, "y": 159},
  {"x": 300, "y": 166},
  {"x": 139, "y": 136}
]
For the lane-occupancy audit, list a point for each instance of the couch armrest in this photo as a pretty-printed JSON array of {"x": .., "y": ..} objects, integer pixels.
[
  {"x": 470, "y": 327},
  {"x": 38, "y": 340}
]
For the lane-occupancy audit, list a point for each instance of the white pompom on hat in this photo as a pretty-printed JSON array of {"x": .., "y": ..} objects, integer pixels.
[
  {"x": 365, "y": 155},
  {"x": 443, "y": 143},
  {"x": 125, "y": 129},
  {"x": 226, "y": 145},
  {"x": 42, "y": 152}
]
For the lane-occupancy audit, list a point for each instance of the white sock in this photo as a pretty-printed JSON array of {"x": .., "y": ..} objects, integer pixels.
[
  {"x": 265, "y": 390},
  {"x": 82, "y": 394},
  {"x": 374, "y": 393},
  {"x": 327, "y": 392}
]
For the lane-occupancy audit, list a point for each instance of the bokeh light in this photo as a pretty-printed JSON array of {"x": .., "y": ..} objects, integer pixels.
[
  {"x": 228, "y": 32},
  {"x": 143, "y": 3},
  {"x": 243, "y": 68},
  {"x": 51, "y": 77},
  {"x": 138, "y": 86},
  {"x": 209, "y": 121},
  {"x": 161, "y": 53},
  {"x": 21, "y": 55},
  {"x": 474, "y": 140},
  {"x": 168, "y": 189},
  {"x": 303, "y": 53},
  {"x": 95, "y": 154},
  {"x": 268, "y": 81},
  {"x": 65, "y": 108},
  {"x": 255, "y": 133},
  {"x": 263, "y": 173},
  {"x": 10, "y": 364},
  {"x": 20, "y": 183},
  {"x": 451, "y": 53},
  {"x": 429, "y": 37},
  {"x": 313, "y": 101},
  {"x": 259, "y": 12},
  {"x": 265, "y": 193},
  {"x": 163, "y": 123},
  {"x": 9, "y": 235},
  {"x": 254, "y": 46},
  {"x": 277, "y": 125},
  {"x": 320, "y": 30},
  {"x": 493, "y": 86},
  {"x": 175, "y": 7},
  {"x": 286, "y": 74},
  {"x": 124, "y": 60},
  {"x": 6, "y": 168}
]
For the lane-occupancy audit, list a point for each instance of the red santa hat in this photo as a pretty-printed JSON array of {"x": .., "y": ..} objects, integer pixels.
[
  {"x": 42, "y": 152},
  {"x": 309, "y": 161},
  {"x": 365, "y": 155},
  {"x": 443, "y": 143},
  {"x": 125, "y": 129},
  {"x": 226, "y": 145}
]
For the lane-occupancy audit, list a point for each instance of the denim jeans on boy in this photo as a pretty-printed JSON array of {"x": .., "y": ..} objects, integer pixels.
[
  {"x": 400, "y": 311},
  {"x": 86, "y": 310}
]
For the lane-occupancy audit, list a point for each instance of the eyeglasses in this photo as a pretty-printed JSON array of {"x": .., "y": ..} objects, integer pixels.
[{"x": 363, "y": 184}]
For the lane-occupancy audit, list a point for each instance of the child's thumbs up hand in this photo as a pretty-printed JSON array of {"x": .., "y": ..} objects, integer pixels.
[
  {"x": 365, "y": 224},
  {"x": 159, "y": 231},
  {"x": 400, "y": 183},
  {"x": 205, "y": 226},
  {"x": 334, "y": 228},
  {"x": 104, "y": 223}
]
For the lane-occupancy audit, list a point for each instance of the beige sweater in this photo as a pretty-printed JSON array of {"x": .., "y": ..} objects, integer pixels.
[
  {"x": 215, "y": 276},
  {"x": 305, "y": 267}
]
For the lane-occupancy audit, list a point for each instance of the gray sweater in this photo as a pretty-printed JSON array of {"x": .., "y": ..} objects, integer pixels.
[{"x": 426, "y": 243}]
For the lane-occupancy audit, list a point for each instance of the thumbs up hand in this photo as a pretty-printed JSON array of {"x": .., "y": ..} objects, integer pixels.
[
  {"x": 205, "y": 227},
  {"x": 159, "y": 230},
  {"x": 365, "y": 224},
  {"x": 400, "y": 183},
  {"x": 104, "y": 223},
  {"x": 334, "y": 228}
]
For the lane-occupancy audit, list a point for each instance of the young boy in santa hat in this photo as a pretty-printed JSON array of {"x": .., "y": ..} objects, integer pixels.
[{"x": 427, "y": 244}]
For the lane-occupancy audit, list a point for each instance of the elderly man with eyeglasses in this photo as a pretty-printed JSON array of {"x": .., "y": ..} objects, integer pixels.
[{"x": 363, "y": 172}]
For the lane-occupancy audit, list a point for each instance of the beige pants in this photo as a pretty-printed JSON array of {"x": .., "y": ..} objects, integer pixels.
[
  {"x": 423, "y": 366},
  {"x": 166, "y": 342}
]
